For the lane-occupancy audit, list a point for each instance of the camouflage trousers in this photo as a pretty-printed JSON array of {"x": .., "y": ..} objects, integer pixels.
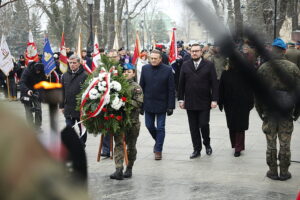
[
  {"x": 281, "y": 128},
  {"x": 130, "y": 137}
]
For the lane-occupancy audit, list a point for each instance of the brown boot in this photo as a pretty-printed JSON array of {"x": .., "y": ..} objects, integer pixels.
[
  {"x": 158, "y": 155},
  {"x": 273, "y": 173}
]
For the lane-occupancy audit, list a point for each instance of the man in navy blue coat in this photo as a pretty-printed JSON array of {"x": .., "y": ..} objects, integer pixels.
[{"x": 157, "y": 82}]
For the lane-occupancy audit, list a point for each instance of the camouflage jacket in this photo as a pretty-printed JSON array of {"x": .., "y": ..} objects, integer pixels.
[
  {"x": 275, "y": 82},
  {"x": 293, "y": 55},
  {"x": 136, "y": 101}
]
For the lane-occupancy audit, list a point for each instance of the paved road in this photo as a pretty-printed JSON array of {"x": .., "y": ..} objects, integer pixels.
[{"x": 219, "y": 176}]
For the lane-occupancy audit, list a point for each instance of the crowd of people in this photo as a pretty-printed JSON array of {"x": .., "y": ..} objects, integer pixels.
[{"x": 201, "y": 79}]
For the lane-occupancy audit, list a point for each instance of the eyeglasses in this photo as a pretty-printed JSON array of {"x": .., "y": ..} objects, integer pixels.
[{"x": 195, "y": 51}]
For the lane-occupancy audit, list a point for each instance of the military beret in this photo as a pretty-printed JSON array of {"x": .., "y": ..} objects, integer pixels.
[
  {"x": 121, "y": 49},
  {"x": 128, "y": 66},
  {"x": 278, "y": 42}
]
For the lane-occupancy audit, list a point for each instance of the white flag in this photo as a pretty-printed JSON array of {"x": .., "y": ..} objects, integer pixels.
[
  {"x": 116, "y": 43},
  {"x": 96, "y": 54},
  {"x": 6, "y": 63}
]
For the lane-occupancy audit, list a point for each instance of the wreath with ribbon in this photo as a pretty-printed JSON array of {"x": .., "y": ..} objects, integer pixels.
[{"x": 105, "y": 100}]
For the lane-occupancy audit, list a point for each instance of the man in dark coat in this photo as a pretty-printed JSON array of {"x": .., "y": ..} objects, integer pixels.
[
  {"x": 157, "y": 82},
  {"x": 72, "y": 81},
  {"x": 32, "y": 75},
  {"x": 198, "y": 93}
]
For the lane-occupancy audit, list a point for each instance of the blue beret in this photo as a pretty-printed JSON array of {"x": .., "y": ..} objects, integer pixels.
[
  {"x": 278, "y": 42},
  {"x": 128, "y": 66}
]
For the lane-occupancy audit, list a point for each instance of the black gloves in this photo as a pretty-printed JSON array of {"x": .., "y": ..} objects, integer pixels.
[{"x": 170, "y": 112}]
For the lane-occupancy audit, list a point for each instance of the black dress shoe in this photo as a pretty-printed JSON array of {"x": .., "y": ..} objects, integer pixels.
[
  {"x": 208, "y": 150},
  {"x": 195, "y": 154},
  {"x": 107, "y": 155},
  {"x": 237, "y": 154}
]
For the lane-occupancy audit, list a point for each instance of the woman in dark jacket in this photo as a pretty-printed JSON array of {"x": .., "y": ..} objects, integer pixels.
[{"x": 237, "y": 99}]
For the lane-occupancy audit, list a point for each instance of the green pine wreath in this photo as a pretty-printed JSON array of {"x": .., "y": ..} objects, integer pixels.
[{"x": 110, "y": 120}]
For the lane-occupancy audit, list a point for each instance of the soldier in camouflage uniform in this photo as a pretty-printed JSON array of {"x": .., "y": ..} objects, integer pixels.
[
  {"x": 293, "y": 55},
  {"x": 274, "y": 124},
  {"x": 219, "y": 61},
  {"x": 132, "y": 133}
]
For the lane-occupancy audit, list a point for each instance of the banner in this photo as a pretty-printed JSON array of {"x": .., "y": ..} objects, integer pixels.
[
  {"x": 173, "y": 48},
  {"x": 137, "y": 49},
  {"x": 63, "y": 59},
  {"x": 48, "y": 59},
  {"x": 31, "y": 50},
  {"x": 6, "y": 63},
  {"x": 96, "y": 54}
]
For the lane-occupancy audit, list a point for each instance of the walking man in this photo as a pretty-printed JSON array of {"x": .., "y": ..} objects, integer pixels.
[
  {"x": 198, "y": 93},
  {"x": 157, "y": 82}
]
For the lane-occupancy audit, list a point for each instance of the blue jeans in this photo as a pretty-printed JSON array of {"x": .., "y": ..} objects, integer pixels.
[
  {"x": 157, "y": 133},
  {"x": 106, "y": 144}
]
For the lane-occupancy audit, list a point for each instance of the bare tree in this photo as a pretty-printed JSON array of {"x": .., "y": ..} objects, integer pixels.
[
  {"x": 6, "y": 3},
  {"x": 238, "y": 19}
]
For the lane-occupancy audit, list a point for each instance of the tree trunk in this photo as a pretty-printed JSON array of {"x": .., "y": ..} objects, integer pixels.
[
  {"x": 281, "y": 15},
  {"x": 230, "y": 16},
  {"x": 238, "y": 19},
  {"x": 97, "y": 22},
  {"x": 111, "y": 23}
]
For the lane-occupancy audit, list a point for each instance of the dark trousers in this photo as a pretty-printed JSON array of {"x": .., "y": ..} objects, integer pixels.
[
  {"x": 12, "y": 87},
  {"x": 158, "y": 132},
  {"x": 70, "y": 121},
  {"x": 106, "y": 144},
  {"x": 237, "y": 139},
  {"x": 199, "y": 120},
  {"x": 34, "y": 107}
]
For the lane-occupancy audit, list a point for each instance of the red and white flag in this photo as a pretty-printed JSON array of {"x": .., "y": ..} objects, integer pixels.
[
  {"x": 137, "y": 49},
  {"x": 79, "y": 46},
  {"x": 6, "y": 63},
  {"x": 31, "y": 50},
  {"x": 96, "y": 54},
  {"x": 173, "y": 48},
  {"x": 63, "y": 59}
]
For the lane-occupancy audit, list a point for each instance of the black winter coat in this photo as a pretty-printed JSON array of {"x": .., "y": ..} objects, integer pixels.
[
  {"x": 72, "y": 86},
  {"x": 29, "y": 78},
  {"x": 237, "y": 99},
  {"x": 158, "y": 87},
  {"x": 198, "y": 88}
]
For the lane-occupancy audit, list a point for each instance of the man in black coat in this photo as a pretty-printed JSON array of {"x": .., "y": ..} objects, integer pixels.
[
  {"x": 157, "y": 82},
  {"x": 72, "y": 81},
  {"x": 32, "y": 75},
  {"x": 198, "y": 93}
]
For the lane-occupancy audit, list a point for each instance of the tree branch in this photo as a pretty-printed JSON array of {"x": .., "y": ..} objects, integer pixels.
[
  {"x": 11, "y": 1},
  {"x": 142, "y": 8}
]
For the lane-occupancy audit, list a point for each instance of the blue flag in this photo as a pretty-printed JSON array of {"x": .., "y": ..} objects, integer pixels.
[{"x": 48, "y": 59}]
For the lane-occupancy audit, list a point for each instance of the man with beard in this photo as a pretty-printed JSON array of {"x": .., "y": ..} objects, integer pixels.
[{"x": 198, "y": 93}]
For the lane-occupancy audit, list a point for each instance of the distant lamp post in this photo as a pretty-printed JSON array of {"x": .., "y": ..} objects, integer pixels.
[{"x": 90, "y": 44}]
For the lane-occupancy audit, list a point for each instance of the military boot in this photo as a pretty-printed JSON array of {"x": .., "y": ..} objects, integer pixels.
[
  {"x": 118, "y": 174},
  {"x": 128, "y": 172},
  {"x": 284, "y": 173},
  {"x": 273, "y": 173}
]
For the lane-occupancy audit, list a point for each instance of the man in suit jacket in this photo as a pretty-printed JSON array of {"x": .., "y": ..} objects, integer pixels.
[
  {"x": 198, "y": 93},
  {"x": 157, "y": 82}
]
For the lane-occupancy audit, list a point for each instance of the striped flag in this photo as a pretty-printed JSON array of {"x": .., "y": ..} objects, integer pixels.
[
  {"x": 31, "y": 50},
  {"x": 79, "y": 46},
  {"x": 96, "y": 54},
  {"x": 63, "y": 59}
]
